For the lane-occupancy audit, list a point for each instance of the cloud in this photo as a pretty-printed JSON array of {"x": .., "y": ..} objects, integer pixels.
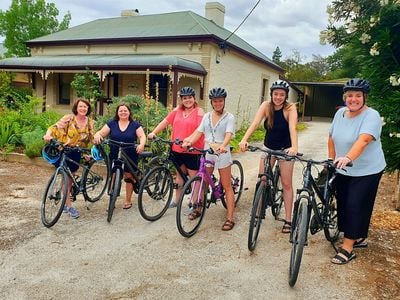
[{"x": 288, "y": 24}]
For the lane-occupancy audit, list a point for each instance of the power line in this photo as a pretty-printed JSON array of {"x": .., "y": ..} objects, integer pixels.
[{"x": 242, "y": 21}]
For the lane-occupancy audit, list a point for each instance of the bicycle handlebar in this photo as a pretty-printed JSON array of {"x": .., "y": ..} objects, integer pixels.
[
  {"x": 67, "y": 148},
  {"x": 281, "y": 154},
  {"x": 165, "y": 141},
  {"x": 119, "y": 144}
]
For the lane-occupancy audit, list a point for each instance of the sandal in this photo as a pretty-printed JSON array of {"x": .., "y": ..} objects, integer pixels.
[
  {"x": 343, "y": 257},
  {"x": 228, "y": 225},
  {"x": 287, "y": 227},
  {"x": 127, "y": 205},
  {"x": 194, "y": 215},
  {"x": 361, "y": 243}
]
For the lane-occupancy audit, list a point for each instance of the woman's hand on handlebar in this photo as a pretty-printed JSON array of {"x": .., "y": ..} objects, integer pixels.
[{"x": 243, "y": 145}]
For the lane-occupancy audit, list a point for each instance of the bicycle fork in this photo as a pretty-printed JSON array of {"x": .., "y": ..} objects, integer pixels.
[{"x": 301, "y": 194}]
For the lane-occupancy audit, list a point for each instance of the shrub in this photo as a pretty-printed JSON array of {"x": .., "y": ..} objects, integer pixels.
[{"x": 33, "y": 142}]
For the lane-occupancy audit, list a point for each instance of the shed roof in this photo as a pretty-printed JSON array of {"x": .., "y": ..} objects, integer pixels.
[{"x": 176, "y": 26}]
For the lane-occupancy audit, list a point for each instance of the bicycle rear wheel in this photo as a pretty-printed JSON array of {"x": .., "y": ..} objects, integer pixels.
[
  {"x": 155, "y": 193},
  {"x": 331, "y": 229},
  {"x": 255, "y": 218},
  {"x": 191, "y": 207},
  {"x": 277, "y": 193},
  {"x": 95, "y": 179},
  {"x": 237, "y": 179},
  {"x": 298, "y": 239},
  {"x": 114, "y": 192},
  {"x": 54, "y": 198}
]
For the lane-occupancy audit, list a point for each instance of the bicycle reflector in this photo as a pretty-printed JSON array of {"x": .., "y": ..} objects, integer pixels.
[
  {"x": 96, "y": 153},
  {"x": 51, "y": 153}
]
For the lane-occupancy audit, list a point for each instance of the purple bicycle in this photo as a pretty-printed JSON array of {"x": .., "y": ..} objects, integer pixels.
[{"x": 202, "y": 190}]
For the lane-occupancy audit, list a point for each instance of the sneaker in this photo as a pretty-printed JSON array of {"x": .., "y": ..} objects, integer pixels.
[
  {"x": 65, "y": 209},
  {"x": 73, "y": 213},
  {"x": 172, "y": 204}
]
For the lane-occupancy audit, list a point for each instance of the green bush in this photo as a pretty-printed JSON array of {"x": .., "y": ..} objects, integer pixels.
[{"x": 33, "y": 142}]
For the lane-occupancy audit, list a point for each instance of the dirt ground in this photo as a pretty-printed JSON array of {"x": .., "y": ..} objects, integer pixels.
[{"x": 133, "y": 259}]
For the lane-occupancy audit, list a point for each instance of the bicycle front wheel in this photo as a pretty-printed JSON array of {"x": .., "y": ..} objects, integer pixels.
[
  {"x": 330, "y": 221},
  {"x": 191, "y": 207},
  {"x": 298, "y": 239},
  {"x": 155, "y": 193},
  {"x": 114, "y": 192},
  {"x": 95, "y": 179},
  {"x": 277, "y": 193},
  {"x": 255, "y": 218},
  {"x": 54, "y": 198}
]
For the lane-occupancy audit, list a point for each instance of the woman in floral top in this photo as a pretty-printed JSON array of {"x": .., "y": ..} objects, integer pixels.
[{"x": 74, "y": 129}]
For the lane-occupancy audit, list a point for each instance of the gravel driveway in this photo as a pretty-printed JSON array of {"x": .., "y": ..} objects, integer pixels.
[{"x": 131, "y": 258}]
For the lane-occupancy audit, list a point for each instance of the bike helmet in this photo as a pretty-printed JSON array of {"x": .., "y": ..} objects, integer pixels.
[
  {"x": 280, "y": 84},
  {"x": 187, "y": 91},
  {"x": 357, "y": 84},
  {"x": 217, "y": 93},
  {"x": 96, "y": 153},
  {"x": 51, "y": 153}
]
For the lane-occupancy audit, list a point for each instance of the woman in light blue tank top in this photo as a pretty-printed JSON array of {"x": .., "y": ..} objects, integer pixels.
[{"x": 354, "y": 137}]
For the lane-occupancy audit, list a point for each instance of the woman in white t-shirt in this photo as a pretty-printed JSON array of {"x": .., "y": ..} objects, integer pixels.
[{"x": 218, "y": 128}]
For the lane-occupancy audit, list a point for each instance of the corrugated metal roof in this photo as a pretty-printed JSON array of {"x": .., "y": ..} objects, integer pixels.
[
  {"x": 158, "y": 26},
  {"x": 101, "y": 61}
]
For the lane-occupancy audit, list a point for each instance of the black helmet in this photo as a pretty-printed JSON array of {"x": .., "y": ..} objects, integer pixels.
[
  {"x": 217, "y": 93},
  {"x": 357, "y": 84},
  {"x": 280, "y": 84},
  {"x": 187, "y": 91}
]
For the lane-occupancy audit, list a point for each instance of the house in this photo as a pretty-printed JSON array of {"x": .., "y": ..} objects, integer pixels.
[{"x": 163, "y": 51}]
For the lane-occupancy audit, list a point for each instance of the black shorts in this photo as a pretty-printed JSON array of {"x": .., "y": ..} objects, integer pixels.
[
  {"x": 191, "y": 161},
  {"x": 73, "y": 155}
]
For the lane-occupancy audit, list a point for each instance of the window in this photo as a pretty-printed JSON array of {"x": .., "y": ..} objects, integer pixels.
[
  {"x": 64, "y": 89},
  {"x": 264, "y": 90}
]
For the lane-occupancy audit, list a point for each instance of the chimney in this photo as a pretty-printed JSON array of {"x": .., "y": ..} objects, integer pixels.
[
  {"x": 129, "y": 12},
  {"x": 215, "y": 12}
]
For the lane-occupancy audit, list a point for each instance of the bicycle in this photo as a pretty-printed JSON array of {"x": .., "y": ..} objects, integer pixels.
[
  {"x": 268, "y": 193},
  {"x": 92, "y": 183},
  {"x": 159, "y": 181},
  {"x": 156, "y": 189},
  {"x": 196, "y": 194},
  {"x": 324, "y": 208},
  {"x": 138, "y": 171}
]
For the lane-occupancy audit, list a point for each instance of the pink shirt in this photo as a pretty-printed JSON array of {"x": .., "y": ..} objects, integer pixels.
[{"x": 183, "y": 127}]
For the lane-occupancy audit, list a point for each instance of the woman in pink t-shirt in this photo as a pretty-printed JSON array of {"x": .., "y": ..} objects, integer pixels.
[{"x": 184, "y": 120}]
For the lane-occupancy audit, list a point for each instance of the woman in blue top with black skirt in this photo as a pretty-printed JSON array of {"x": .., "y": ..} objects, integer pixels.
[
  {"x": 280, "y": 120},
  {"x": 354, "y": 137},
  {"x": 124, "y": 129}
]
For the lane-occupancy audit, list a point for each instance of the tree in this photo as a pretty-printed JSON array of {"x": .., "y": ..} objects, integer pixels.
[
  {"x": 26, "y": 20},
  {"x": 277, "y": 55},
  {"x": 371, "y": 29}
]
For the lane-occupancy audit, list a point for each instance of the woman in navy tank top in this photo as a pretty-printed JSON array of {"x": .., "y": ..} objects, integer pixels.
[{"x": 280, "y": 120}]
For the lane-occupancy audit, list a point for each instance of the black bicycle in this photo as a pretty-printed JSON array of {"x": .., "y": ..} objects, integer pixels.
[
  {"x": 320, "y": 199},
  {"x": 118, "y": 165},
  {"x": 268, "y": 193},
  {"x": 92, "y": 183}
]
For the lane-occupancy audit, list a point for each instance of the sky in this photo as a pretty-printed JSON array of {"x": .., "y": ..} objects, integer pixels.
[{"x": 289, "y": 24}]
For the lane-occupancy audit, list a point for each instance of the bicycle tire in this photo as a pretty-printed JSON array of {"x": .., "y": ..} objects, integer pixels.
[
  {"x": 277, "y": 193},
  {"x": 236, "y": 182},
  {"x": 298, "y": 238},
  {"x": 95, "y": 179},
  {"x": 54, "y": 198},
  {"x": 155, "y": 193},
  {"x": 114, "y": 193},
  {"x": 331, "y": 229},
  {"x": 237, "y": 179},
  {"x": 188, "y": 204},
  {"x": 255, "y": 218}
]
